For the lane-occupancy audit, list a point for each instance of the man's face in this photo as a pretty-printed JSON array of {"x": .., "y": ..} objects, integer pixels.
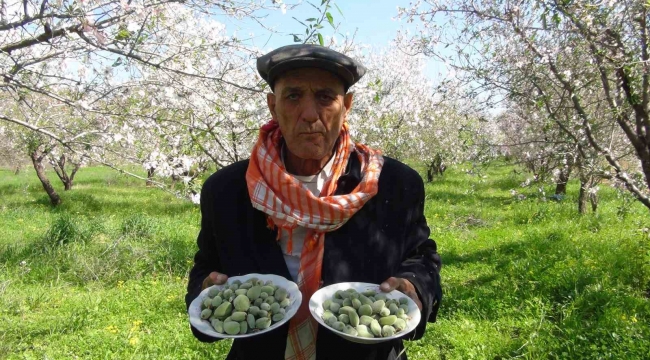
[{"x": 310, "y": 105}]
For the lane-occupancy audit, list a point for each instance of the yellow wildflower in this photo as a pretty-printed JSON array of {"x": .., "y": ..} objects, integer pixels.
[{"x": 112, "y": 329}]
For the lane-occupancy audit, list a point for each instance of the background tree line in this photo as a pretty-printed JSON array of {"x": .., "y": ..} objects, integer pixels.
[{"x": 559, "y": 86}]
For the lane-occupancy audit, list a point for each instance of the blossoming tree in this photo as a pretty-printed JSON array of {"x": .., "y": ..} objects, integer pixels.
[{"x": 583, "y": 64}]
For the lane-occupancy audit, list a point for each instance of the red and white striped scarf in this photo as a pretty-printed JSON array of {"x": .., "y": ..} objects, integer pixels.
[{"x": 289, "y": 204}]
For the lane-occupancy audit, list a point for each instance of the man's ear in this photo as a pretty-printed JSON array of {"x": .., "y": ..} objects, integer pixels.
[
  {"x": 348, "y": 99},
  {"x": 270, "y": 101}
]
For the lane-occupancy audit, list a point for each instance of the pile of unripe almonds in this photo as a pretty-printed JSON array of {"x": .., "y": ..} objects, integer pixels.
[
  {"x": 367, "y": 314},
  {"x": 242, "y": 308}
]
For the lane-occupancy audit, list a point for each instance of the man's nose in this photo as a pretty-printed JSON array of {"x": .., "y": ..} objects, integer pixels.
[{"x": 310, "y": 110}]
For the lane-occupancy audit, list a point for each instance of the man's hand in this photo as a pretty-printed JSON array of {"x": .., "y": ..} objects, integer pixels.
[
  {"x": 403, "y": 285},
  {"x": 214, "y": 278}
]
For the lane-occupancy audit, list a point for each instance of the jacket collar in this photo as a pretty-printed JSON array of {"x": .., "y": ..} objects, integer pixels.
[{"x": 352, "y": 176}]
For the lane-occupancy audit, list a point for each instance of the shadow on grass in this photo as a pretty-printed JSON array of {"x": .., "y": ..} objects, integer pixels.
[
  {"x": 10, "y": 189},
  {"x": 79, "y": 265},
  {"x": 545, "y": 267},
  {"x": 83, "y": 250},
  {"x": 111, "y": 179},
  {"x": 505, "y": 183},
  {"x": 469, "y": 199},
  {"x": 111, "y": 201}
]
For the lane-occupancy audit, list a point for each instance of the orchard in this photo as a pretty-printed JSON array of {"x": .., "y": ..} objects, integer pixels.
[{"x": 528, "y": 121}]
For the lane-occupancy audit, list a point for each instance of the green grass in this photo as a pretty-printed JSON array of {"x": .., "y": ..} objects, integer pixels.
[{"x": 104, "y": 274}]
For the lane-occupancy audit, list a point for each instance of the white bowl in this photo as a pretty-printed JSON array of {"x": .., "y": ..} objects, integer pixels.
[
  {"x": 204, "y": 326},
  {"x": 316, "y": 309}
]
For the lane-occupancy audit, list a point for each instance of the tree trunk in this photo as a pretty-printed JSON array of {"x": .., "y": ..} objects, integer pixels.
[
  {"x": 439, "y": 165},
  {"x": 429, "y": 172},
  {"x": 62, "y": 173},
  {"x": 582, "y": 198},
  {"x": 593, "y": 198},
  {"x": 587, "y": 193},
  {"x": 560, "y": 187},
  {"x": 37, "y": 160},
  {"x": 150, "y": 173},
  {"x": 68, "y": 184},
  {"x": 435, "y": 167}
]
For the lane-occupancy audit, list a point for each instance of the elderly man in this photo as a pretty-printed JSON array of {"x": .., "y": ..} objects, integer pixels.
[{"x": 313, "y": 206}]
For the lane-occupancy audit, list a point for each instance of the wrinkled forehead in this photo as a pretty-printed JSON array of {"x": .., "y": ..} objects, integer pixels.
[{"x": 310, "y": 78}]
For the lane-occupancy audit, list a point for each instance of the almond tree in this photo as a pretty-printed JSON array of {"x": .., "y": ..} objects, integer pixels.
[
  {"x": 401, "y": 111},
  {"x": 42, "y": 147},
  {"x": 588, "y": 58},
  {"x": 88, "y": 58}
]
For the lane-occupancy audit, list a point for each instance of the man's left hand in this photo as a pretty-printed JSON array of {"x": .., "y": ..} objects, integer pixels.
[{"x": 403, "y": 285}]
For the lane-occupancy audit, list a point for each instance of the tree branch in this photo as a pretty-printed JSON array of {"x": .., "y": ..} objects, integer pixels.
[
  {"x": 26, "y": 21},
  {"x": 32, "y": 127},
  {"x": 44, "y": 37},
  {"x": 160, "y": 67}
]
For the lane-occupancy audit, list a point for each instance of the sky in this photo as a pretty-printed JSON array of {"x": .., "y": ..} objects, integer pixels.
[{"x": 371, "y": 19}]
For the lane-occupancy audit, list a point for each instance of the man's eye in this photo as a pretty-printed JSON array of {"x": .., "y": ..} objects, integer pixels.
[
  {"x": 326, "y": 98},
  {"x": 293, "y": 96}
]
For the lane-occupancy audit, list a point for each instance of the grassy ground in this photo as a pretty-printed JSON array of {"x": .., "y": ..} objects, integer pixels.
[{"x": 103, "y": 275}]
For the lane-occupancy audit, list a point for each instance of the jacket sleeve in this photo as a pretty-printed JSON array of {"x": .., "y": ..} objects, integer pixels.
[
  {"x": 422, "y": 263},
  {"x": 206, "y": 259}
]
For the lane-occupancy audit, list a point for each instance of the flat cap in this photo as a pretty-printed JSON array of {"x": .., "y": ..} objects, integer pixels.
[{"x": 290, "y": 57}]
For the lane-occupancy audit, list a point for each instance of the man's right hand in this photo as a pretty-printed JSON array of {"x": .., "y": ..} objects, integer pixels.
[{"x": 214, "y": 278}]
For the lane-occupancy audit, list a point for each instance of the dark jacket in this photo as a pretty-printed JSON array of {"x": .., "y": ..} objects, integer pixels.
[{"x": 387, "y": 237}]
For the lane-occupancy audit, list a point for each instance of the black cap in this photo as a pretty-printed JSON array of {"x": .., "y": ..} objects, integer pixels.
[{"x": 290, "y": 57}]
